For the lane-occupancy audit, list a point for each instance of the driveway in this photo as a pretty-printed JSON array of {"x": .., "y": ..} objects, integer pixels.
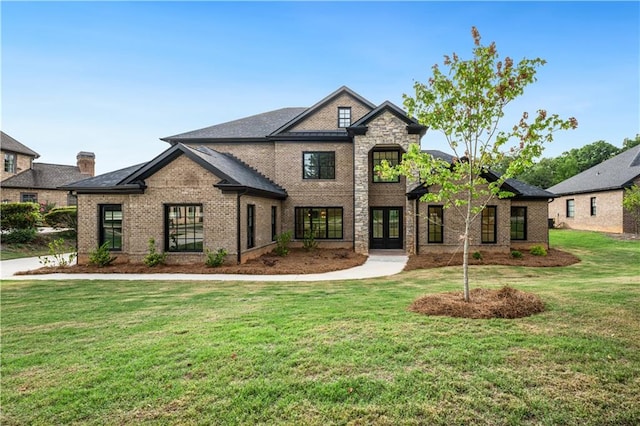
[{"x": 377, "y": 265}]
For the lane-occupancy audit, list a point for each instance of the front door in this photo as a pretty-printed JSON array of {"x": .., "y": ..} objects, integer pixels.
[{"x": 385, "y": 228}]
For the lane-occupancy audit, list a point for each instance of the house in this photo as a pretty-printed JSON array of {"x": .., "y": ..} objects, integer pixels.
[
  {"x": 592, "y": 200},
  {"x": 25, "y": 180},
  {"x": 237, "y": 185}
]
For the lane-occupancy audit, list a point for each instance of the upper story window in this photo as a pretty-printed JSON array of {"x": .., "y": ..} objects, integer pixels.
[
  {"x": 392, "y": 158},
  {"x": 319, "y": 165},
  {"x": 571, "y": 208},
  {"x": 344, "y": 117},
  {"x": 9, "y": 162}
]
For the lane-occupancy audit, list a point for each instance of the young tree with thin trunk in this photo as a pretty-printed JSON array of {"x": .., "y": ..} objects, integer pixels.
[{"x": 466, "y": 104}]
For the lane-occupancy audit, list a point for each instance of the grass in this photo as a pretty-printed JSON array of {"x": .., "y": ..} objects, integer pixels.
[
  {"x": 39, "y": 247},
  {"x": 346, "y": 352}
]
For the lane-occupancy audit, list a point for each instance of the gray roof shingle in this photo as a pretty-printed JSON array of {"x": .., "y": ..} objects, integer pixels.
[
  {"x": 45, "y": 176},
  {"x": 615, "y": 173},
  {"x": 10, "y": 144},
  {"x": 106, "y": 180}
]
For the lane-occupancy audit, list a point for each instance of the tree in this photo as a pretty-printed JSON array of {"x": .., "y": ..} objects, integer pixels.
[
  {"x": 631, "y": 203},
  {"x": 630, "y": 143},
  {"x": 466, "y": 105}
]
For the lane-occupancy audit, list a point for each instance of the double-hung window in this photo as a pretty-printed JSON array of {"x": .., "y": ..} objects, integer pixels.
[
  {"x": 9, "y": 162},
  {"x": 28, "y": 197},
  {"x": 518, "y": 223},
  {"x": 571, "y": 208},
  {"x": 435, "y": 226},
  {"x": 594, "y": 207},
  {"x": 184, "y": 227},
  {"x": 319, "y": 165},
  {"x": 344, "y": 117},
  {"x": 489, "y": 225},
  {"x": 320, "y": 222},
  {"x": 111, "y": 226},
  {"x": 392, "y": 157}
]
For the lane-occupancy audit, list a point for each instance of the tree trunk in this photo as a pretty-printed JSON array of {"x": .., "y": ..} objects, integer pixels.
[{"x": 465, "y": 252}]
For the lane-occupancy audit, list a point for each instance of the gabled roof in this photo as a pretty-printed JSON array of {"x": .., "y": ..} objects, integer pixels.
[
  {"x": 253, "y": 127},
  {"x": 413, "y": 127},
  {"x": 10, "y": 144},
  {"x": 235, "y": 175},
  {"x": 311, "y": 110},
  {"x": 615, "y": 173},
  {"x": 45, "y": 176}
]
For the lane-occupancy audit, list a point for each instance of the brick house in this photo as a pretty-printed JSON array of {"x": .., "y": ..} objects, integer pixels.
[
  {"x": 25, "y": 180},
  {"x": 592, "y": 200},
  {"x": 236, "y": 185}
]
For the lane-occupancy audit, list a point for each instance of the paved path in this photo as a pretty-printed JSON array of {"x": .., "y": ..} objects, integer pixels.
[{"x": 376, "y": 266}]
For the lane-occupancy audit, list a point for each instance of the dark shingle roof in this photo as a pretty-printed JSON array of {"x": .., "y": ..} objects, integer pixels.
[
  {"x": 106, "y": 180},
  {"x": 10, "y": 144},
  {"x": 45, "y": 176},
  {"x": 253, "y": 127},
  {"x": 615, "y": 173}
]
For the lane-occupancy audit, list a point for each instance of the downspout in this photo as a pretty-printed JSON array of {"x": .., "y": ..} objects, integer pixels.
[
  {"x": 353, "y": 211},
  {"x": 416, "y": 228},
  {"x": 238, "y": 228}
]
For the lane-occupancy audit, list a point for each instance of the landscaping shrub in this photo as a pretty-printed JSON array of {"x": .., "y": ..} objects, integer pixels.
[
  {"x": 19, "y": 215},
  {"x": 309, "y": 242},
  {"x": 282, "y": 243},
  {"x": 101, "y": 256},
  {"x": 20, "y": 236},
  {"x": 154, "y": 258},
  {"x": 477, "y": 255},
  {"x": 215, "y": 259},
  {"x": 56, "y": 255},
  {"x": 62, "y": 217},
  {"x": 516, "y": 254},
  {"x": 538, "y": 251}
]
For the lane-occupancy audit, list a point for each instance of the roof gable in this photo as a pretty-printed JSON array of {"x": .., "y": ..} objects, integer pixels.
[
  {"x": 10, "y": 144},
  {"x": 615, "y": 173},
  {"x": 413, "y": 127}
]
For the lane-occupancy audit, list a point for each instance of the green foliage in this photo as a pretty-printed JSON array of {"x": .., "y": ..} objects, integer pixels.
[
  {"x": 309, "y": 240},
  {"x": 628, "y": 143},
  {"x": 19, "y": 215},
  {"x": 101, "y": 256},
  {"x": 538, "y": 250},
  {"x": 56, "y": 256},
  {"x": 282, "y": 243},
  {"x": 20, "y": 236},
  {"x": 63, "y": 217},
  {"x": 516, "y": 254},
  {"x": 477, "y": 255},
  {"x": 153, "y": 258},
  {"x": 631, "y": 203},
  {"x": 215, "y": 259}
]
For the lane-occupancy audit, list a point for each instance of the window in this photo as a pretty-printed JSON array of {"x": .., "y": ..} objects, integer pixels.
[
  {"x": 274, "y": 222},
  {"x": 344, "y": 117},
  {"x": 111, "y": 226},
  {"x": 594, "y": 209},
  {"x": 319, "y": 165},
  {"x": 518, "y": 223},
  {"x": 184, "y": 227},
  {"x": 9, "y": 162},
  {"x": 435, "y": 228},
  {"x": 392, "y": 157},
  {"x": 251, "y": 225},
  {"x": 323, "y": 222},
  {"x": 571, "y": 208},
  {"x": 28, "y": 197},
  {"x": 489, "y": 225}
]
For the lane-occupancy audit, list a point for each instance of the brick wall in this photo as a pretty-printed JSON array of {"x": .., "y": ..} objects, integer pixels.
[
  {"x": 326, "y": 118},
  {"x": 630, "y": 222},
  {"x": 23, "y": 162},
  {"x": 59, "y": 198},
  {"x": 608, "y": 217}
]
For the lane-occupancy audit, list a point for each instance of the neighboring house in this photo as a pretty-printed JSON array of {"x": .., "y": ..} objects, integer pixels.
[
  {"x": 592, "y": 200},
  {"x": 40, "y": 182},
  {"x": 238, "y": 184}
]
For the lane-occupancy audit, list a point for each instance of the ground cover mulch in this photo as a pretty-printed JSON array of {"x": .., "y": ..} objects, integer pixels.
[{"x": 506, "y": 302}]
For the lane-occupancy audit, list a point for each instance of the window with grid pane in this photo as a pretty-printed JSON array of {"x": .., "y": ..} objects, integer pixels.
[
  {"x": 323, "y": 222},
  {"x": 518, "y": 223},
  {"x": 344, "y": 117},
  {"x": 111, "y": 226},
  {"x": 489, "y": 225},
  {"x": 184, "y": 227},
  {"x": 319, "y": 165},
  {"x": 435, "y": 226},
  {"x": 392, "y": 157}
]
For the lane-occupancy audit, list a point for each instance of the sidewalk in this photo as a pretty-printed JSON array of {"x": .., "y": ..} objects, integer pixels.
[{"x": 377, "y": 265}]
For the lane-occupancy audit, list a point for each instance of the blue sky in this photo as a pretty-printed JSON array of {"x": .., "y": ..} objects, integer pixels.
[{"x": 114, "y": 77}]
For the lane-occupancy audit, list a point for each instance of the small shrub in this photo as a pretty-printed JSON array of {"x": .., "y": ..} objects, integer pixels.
[
  {"x": 282, "y": 243},
  {"x": 19, "y": 215},
  {"x": 477, "y": 255},
  {"x": 154, "y": 258},
  {"x": 309, "y": 242},
  {"x": 56, "y": 256},
  {"x": 63, "y": 217},
  {"x": 215, "y": 259},
  {"x": 516, "y": 254},
  {"x": 538, "y": 251},
  {"x": 101, "y": 256},
  {"x": 20, "y": 236}
]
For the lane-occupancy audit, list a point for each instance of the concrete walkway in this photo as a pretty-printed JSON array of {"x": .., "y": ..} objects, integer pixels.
[{"x": 377, "y": 265}]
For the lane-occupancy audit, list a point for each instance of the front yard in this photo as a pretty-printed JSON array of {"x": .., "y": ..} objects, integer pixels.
[{"x": 123, "y": 352}]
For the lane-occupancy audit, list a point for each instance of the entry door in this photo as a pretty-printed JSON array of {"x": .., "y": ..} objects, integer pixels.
[{"x": 385, "y": 228}]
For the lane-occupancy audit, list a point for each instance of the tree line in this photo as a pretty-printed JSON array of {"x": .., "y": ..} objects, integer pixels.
[{"x": 551, "y": 171}]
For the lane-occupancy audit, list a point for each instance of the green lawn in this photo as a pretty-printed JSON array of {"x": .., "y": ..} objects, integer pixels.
[
  {"x": 121, "y": 352},
  {"x": 39, "y": 247}
]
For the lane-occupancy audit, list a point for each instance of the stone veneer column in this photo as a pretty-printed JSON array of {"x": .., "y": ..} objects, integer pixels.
[{"x": 361, "y": 194}]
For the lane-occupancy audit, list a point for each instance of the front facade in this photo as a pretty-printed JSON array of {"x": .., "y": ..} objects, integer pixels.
[
  {"x": 592, "y": 200},
  {"x": 309, "y": 171}
]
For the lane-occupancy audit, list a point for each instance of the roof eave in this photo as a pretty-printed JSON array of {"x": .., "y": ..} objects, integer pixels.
[{"x": 234, "y": 189}]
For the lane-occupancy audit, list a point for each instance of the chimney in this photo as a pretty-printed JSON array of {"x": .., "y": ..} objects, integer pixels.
[{"x": 86, "y": 163}]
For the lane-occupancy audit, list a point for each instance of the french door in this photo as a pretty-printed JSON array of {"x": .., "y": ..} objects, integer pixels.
[{"x": 385, "y": 228}]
